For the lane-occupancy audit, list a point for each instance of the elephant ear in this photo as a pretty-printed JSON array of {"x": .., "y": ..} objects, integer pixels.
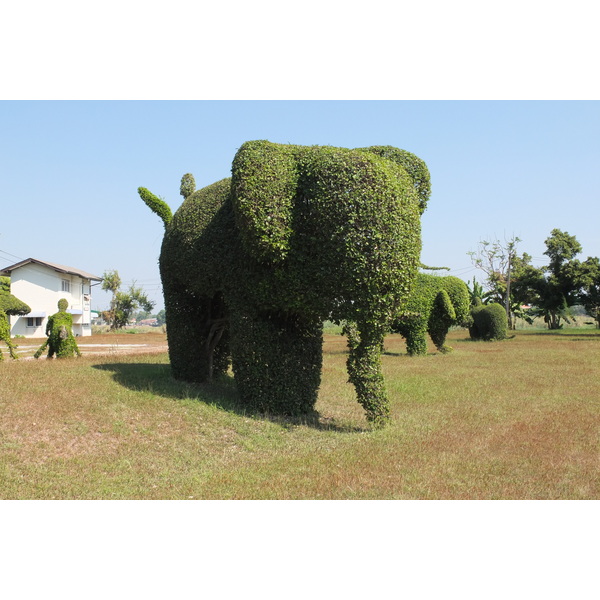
[
  {"x": 413, "y": 165},
  {"x": 264, "y": 181}
]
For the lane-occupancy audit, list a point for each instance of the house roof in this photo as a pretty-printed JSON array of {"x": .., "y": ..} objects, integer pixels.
[{"x": 54, "y": 266}]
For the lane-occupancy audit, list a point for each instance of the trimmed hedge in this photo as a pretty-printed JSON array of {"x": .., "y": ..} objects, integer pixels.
[
  {"x": 489, "y": 322},
  {"x": 252, "y": 266},
  {"x": 9, "y": 305},
  {"x": 435, "y": 304}
]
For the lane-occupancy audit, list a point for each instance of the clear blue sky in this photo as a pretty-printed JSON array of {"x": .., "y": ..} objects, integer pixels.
[{"x": 69, "y": 171}]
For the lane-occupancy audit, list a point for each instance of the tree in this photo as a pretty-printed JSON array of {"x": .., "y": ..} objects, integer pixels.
[
  {"x": 123, "y": 304},
  {"x": 499, "y": 261},
  {"x": 476, "y": 293},
  {"x": 589, "y": 295},
  {"x": 554, "y": 288},
  {"x": 161, "y": 317}
]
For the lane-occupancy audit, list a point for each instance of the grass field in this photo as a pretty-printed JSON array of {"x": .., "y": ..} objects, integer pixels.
[{"x": 518, "y": 419}]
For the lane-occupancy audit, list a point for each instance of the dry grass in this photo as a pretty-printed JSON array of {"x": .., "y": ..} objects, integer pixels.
[{"x": 513, "y": 419}]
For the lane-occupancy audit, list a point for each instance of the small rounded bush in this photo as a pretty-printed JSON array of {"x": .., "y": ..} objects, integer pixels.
[{"x": 489, "y": 322}]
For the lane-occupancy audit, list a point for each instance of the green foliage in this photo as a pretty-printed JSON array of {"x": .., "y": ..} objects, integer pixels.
[
  {"x": 489, "y": 322},
  {"x": 59, "y": 329},
  {"x": 589, "y": 281},
  {"x": 476, "y": 292},
  {"x": 9, "y": 305},
  {"x": 435, "y": 304},
  {"x": 123, "y": 304},
  {"x": 111, "y": 281},
  {"x": 252, "y": 266},
  {"x": 187, "y": 187},
  {"x": 156, "y": 204},
  {"x": 364, "y": 372},
  {"x": 552, "y": 289},
  {"x": 5, "y": 336}
]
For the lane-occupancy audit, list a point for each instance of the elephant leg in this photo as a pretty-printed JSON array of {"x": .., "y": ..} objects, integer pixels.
[
  {"x": 195, "y": 333},
  {"x": 438, "y": 337},
  {"x": 364, "y": 370},
  {"x": 416, "y": 340},
  {"x": 277, "y": 361},
  {"x": 441, "y": 318},
  {"x": 12, "y": 350}
]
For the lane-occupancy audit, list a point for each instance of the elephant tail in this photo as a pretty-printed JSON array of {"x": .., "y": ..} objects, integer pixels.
[{"x": 156, "y": 205}]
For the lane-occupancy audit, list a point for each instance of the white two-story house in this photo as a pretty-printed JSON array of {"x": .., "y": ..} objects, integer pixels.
[{"x": 41, "y": 285}]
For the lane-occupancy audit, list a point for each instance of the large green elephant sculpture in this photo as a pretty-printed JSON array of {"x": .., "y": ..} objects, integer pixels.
[
  {"x": 251, "y": 266},
  {"x": 435, "y": 304}
]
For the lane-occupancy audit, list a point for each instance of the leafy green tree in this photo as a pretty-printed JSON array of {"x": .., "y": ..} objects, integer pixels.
[
  {"x": 476, "y": 293},
  {"x": 123, "y": 304},
  {"x": 161, "y": 317},
  {"x": 554, "y": 288},
  {"x": 589, "y": 295}
]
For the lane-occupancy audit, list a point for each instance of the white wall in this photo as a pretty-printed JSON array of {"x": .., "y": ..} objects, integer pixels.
[{"x": 41, "y": 288}]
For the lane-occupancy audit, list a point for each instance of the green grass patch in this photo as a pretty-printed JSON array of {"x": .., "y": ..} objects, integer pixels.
[{"x": 517, "y": 419}]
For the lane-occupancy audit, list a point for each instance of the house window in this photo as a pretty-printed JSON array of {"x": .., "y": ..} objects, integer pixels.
[
  {"x": 66, "y": 285},
  {"x": 34, "y": 321}
]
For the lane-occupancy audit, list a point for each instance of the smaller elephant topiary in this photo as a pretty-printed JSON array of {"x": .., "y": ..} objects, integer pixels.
[
  {"x": 61, "y": 341},
  {"x": 435, "y": 304},
  {"x": 9, "y": 305},
  {"x": 489, "y": 322}
]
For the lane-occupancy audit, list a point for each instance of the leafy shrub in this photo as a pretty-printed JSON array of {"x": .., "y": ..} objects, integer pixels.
[
  {"x": 9, "y": 305},
  {"x": 489, "y": 322}
]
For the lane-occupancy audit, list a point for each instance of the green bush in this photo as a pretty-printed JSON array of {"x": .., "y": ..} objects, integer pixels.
[
  {"x": 435, "y": 304},
  {"x": 252, "y": 266},
  {"x": 9, "y": 305},
  {"x": 489, "y": 322}
]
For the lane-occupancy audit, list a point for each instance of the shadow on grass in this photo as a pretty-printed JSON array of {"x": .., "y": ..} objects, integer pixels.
[{"x": 222, "y": 392}]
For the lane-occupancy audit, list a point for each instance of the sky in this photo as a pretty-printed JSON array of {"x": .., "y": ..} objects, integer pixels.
[{"x": 70, "y": 169}]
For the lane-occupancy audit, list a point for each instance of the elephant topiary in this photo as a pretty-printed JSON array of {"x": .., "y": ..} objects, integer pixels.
[
  {"x": 9, "y": 305},
  {"x": 251, "y": 266},
  {"x": 435, "y": 304},
  {"x": 59, "y": 330},
  {"x": 490, "y": 322}
]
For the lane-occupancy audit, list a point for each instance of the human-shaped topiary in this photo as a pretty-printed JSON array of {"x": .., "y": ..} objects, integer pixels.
[
  {"x": 251, "y": 267},
  {"x": 490, "y": 322},
  {"x": 59, "y": 329},
  {"x": 435, "y": 304},
  {"x": 9, "y": 305}
]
